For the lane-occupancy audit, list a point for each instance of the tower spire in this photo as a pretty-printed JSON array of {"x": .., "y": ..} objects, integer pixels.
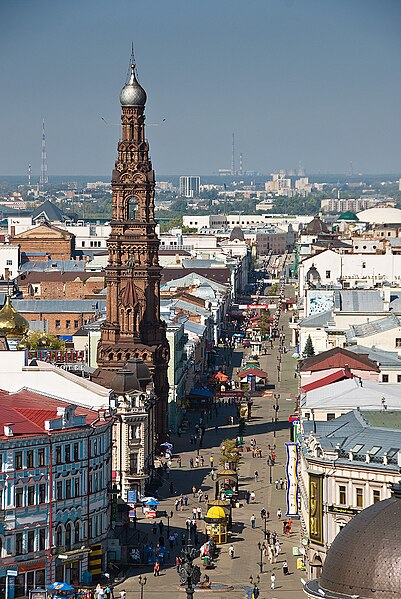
[
  {"x": 133, "y": 328},
  {"x": 43, "y": 164}
]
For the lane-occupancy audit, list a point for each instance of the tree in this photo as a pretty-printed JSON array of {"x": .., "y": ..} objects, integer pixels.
[
  {"x": 40, "y": 340},
  {"x": 309, "y": 349},
  {"x": 230, "y": 453}
]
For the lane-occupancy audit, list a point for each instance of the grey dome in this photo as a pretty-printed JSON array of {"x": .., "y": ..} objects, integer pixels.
[
  {"x": 140, "y": 370},
  {"x": 237, "y": 233},
  {"x": 132, "y": 94},
  {"x": 125, "y": 381},
  {"x": 364, "y": 559}
]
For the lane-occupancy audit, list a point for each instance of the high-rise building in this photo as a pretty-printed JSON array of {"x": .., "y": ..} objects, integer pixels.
[
  {"x": 189, "y": 186},
  {"x": 133, "y": 328}
]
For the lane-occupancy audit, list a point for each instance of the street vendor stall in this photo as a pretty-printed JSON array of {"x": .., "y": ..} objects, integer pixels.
[
  {"x": 252, "y": 378},
  {"x": 225, "y": 504},
  {"x": 226, "y": 480},
  {"x": 216, "y": 525},
  {"x": 60, "y": 590}
]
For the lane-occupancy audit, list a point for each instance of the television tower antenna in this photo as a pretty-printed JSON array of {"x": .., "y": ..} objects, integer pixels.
[
  {"x": 43, "y": 165},
  {"x": 233, "y": 157},
  {"x": 241, "y": 166},
  {"x": 29, "y": 174}
]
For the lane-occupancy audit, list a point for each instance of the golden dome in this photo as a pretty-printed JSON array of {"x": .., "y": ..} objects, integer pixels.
[{"x": 12, "y": 324}]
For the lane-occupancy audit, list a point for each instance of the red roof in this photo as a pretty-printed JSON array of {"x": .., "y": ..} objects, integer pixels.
[
  {"x": 334, "y": 377},
  {"x": 338, "y": 357},
  {"x": 253, "y": 372},
  {"x": 28, "y": 412}
]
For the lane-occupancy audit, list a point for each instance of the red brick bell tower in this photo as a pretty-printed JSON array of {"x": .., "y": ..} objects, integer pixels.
[{"x": 133, "y": 328}]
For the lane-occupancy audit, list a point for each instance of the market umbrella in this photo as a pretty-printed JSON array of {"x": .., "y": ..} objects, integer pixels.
[
  {"x": 229, "y": 492},
  {"x": 152, "y": 502},
  {"x": 147, "y": 499},
  {"x": 169, "y": 445},
  {"x": 60, "y": 586}
]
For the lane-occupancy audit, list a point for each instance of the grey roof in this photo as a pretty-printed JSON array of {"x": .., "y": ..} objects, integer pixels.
[
  {"x": 202, "y": 263},
  {"x": 49, "y": 211},
  {"x": 358, "y": 300},
  {"x": 35, "y": 306},
  {"x": 165, "y": 304},
  {"x": 189, "y": 279},
  {"x": 355, "y": 431},
  {"x": 194, "y": 327},
  {"x": 377, "y": 326},
  {"x": 316, "y": 320},
  {"x": 382, "y": 357},
  {"x": 350, "y": 394},
  {"x": 47, "y": 265}
]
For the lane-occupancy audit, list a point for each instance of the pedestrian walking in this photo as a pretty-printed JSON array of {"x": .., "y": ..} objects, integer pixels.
[
  {"x": 196, "y": 462},
  {"x": 253, "y": 521},
  {"x": 284, "y": 525},
  {"x": 279, "y": 514},
  {"x": 177, "y": 563},
  {"x": 202, "y": 461},
  {"x": 191, "y": 462},
  {"x": 185, "y": 500},
  {"x": 285, "y": 568},
  {"x": 272, "y": 581},
  {"x": 211, "y": 460},
  {"x": 206, "y": 497},
  {"x": 248, "y": 497},
  {"x": 156, "y": 569},
  {"x": 256, "y": 476},
  {"x": 199, "y": 513},
  {"x": 281, "y": 483},
  {"x": 253, "y": 496},
  {"x": 193, "y": 491},
  {"x": 179, "y": 462},
  {"x": 276, "y": 483},
  {"x": 231, "y": 551}
]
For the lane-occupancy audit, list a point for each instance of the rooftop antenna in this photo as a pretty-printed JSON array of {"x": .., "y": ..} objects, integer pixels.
[
  {"x": 233, "y": 156},
  {"x": 29, "y": 174},
  {"x": 43, "y": 165}
]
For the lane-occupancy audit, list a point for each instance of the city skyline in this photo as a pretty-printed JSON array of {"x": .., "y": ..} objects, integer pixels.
[{"x": 297, "y": 82}]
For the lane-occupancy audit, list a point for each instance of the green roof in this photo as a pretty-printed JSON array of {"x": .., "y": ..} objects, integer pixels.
[
  {"x": 384, "y": 419},
  {"x": 348, "y": 216}
]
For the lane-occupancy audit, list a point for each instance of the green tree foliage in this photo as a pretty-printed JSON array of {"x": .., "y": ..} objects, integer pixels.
[
  {"x": 229, "y": 452},
  {"x": 40, "y": 340},
  {"x": 309, "y": 349}
]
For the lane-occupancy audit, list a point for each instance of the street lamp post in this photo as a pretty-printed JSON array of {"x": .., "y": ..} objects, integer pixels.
[
  {"x": 168, "y": 522},
  {"x": 142, "y": 582},
  {"x": 260, "y": 546},
  {"x": 255, "y": 585},
  {"x": 188, "y": 573}
]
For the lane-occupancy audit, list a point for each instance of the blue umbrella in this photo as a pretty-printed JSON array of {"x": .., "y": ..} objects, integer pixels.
[
  {"x": 169, "y": 445},
  {"x": 60, "y": 586},
  {"x": 152, "y": 502}
]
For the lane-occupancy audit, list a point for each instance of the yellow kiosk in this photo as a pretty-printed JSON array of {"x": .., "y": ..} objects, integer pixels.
[{"x": 216, "y": 525}]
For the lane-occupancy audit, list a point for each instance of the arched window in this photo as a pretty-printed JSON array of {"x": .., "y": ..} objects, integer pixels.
[
  {"x": 59, "y": 536},
  {"x": 68, "y": 535},
  {"x": 77, "y": 532},
  {"x": 132, "y": 206}
]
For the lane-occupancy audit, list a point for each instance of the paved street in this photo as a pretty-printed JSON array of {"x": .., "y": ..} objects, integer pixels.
[{"x": 236, "y": 572}]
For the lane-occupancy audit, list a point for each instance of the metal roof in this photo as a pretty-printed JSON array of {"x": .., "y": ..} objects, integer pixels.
[
  {"x": 377, "y": 326},
  {"x": 35, "y": 306}
]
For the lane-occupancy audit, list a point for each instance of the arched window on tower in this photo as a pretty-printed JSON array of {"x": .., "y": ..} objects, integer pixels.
[{"x": 132, "y": 208}]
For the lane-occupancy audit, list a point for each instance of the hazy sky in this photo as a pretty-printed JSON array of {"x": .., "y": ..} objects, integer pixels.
[{"x": 310, "y": 81}]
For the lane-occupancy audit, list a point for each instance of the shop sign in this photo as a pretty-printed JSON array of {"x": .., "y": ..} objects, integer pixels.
[
  {"x": 292, "y": 479},
  {"x": 316, "y": 508},
  {"x": 342, "y": 510}
]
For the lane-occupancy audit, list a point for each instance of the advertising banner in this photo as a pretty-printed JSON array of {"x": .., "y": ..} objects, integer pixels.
[{"x": 292, "y": 479}]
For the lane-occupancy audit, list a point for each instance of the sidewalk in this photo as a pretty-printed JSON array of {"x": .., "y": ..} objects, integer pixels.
[{"x": 236, "y": 572}]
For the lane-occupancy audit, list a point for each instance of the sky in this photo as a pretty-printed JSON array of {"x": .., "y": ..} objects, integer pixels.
[{"x": 311, "y": 82}]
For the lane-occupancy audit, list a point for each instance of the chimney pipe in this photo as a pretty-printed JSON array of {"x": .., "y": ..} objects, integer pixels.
[{"x": 8, "y": 429}]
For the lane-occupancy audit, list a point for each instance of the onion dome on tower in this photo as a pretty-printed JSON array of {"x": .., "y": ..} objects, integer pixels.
[
  {"x": 12, "y": 324},
  {"x": 132, "y": 94}
]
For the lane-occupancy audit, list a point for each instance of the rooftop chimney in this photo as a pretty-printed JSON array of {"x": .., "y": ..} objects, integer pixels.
[{"x": 8, "y": 429}]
